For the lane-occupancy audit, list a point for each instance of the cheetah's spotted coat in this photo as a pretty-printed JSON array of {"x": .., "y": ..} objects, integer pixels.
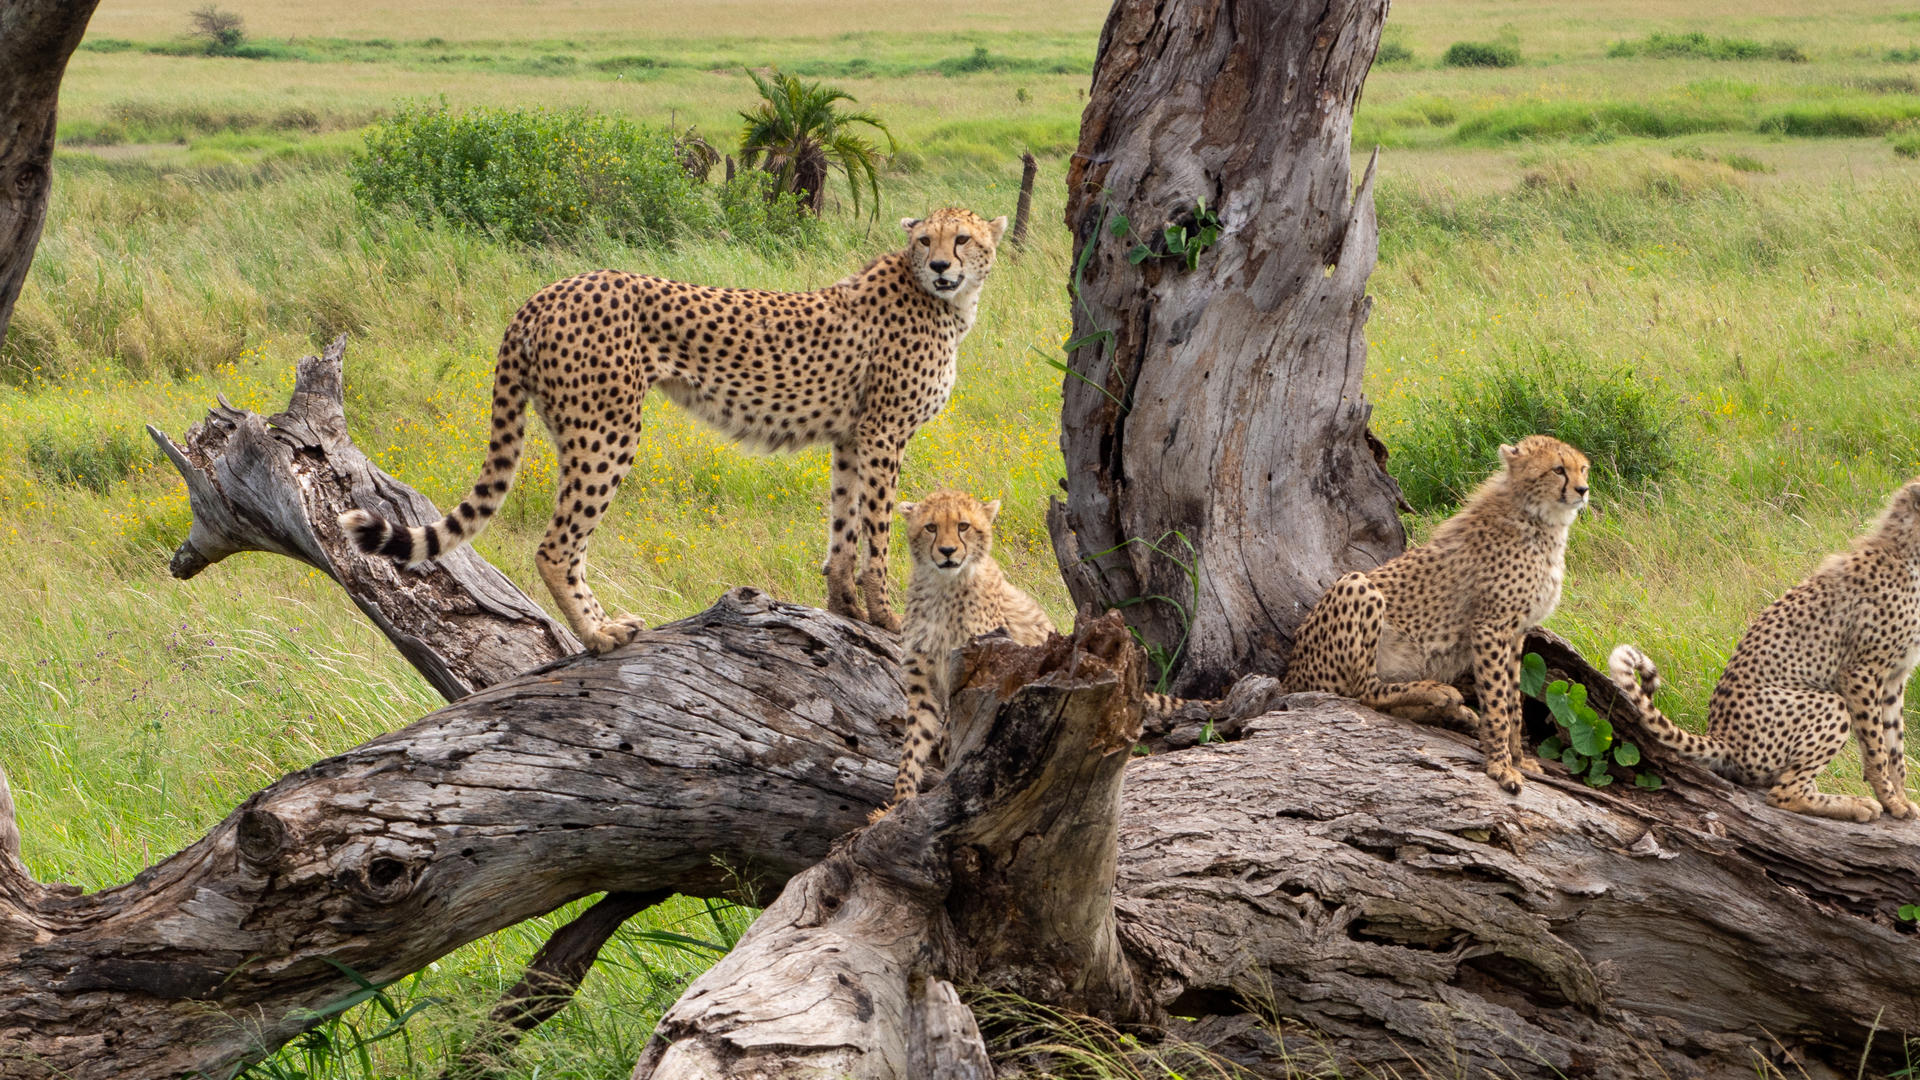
[
  {"x": 860, "y": 364},
  {"x": 1831, "y": 656},
  {"x": 957, "y": 593},
  {"x": 1395, "y": 637}
]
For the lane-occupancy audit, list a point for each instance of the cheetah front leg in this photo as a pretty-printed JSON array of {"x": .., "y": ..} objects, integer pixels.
[
  {"x": 1878, "y": 709},
  {"x": 879, "y": 467},
  {"x": 843, "y": 533},
  {"x": 1496, "y": 678},
  {"x": 926, "y": 732}
]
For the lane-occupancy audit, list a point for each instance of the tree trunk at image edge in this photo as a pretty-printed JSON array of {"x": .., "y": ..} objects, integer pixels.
[
  {"x": 1218, "y": 468},
  {"x": 36, "y": 38}
]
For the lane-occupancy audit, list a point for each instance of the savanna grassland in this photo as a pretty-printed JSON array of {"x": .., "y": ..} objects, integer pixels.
[{"x": 1685, "y": 235}]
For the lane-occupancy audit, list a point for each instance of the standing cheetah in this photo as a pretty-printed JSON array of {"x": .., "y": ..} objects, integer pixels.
[
  {"x": 1395, "y": 637},
  {"x": 860, "y": 364},
  {"x": 1832, "y": 654},
  {"x": 957, "y": 593}
]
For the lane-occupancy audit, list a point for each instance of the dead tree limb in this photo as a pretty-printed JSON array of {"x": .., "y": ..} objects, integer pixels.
[
  {"x": 754, "y": 733},
  {"x": 1002, "y": 876},
  {"x": 277, "y": 483}
]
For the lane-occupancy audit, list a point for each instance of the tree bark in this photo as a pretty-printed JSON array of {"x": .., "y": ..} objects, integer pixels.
[
  {"x": 1353, "y": 873},
  {"x": 36, "y": 39},
  {"x": 1213, "y": 425},
  {"x": 278, "y": 483}
]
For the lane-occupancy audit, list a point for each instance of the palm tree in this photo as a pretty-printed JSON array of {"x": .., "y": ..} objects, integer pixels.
[{"x": 797, "y": 135}]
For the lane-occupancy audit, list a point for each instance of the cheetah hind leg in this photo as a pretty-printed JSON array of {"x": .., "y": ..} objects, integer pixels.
[
  {"x": 589, "y": 474},
  {"x": 1823, "y": 716}
]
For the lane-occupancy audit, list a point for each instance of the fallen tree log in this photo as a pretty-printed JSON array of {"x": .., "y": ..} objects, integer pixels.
[{"x": 1351, "y": 872}]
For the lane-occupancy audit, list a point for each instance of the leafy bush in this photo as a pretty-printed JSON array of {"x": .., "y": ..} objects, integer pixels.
[
  {"x": 1481, "y": 54},
  {"x": 1697, "y": 46},
  {"x": 220, "y": 32},
  {"x": 1841, "y": 116},
  {"x": 1573, "y": 119},
  {"x": 1393, "y": 52},
  {"x": 1621, "y": 423},
  {"x": 536, "y": 176},
  {"x": 1906, "y": 141}
]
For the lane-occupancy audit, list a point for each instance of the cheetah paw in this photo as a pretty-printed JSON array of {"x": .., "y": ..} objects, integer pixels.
[
  {"x": 612, "y": 634},
  {"x": 1506, "y": 776},
  {"x": 884, "y": 618},
  {"x": 1903, "y": 809},
  {"x": 1865, "y": 810}
]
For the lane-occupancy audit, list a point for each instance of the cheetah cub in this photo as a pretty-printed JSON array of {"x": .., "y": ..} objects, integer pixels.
[
  {"x": 1832, "y": 654},
  {"x": 956, "y": 594},
  {"x": 860, "y": 364},
  {"x": 1395, "y": 637}
]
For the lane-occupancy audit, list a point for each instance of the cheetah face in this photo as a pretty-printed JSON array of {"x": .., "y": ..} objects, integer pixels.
[
  {"x": 1901, "y": 518},
  {"x": 949, "y": 530},
  {"x": 951, "y": 251},
  {"x": 1549, "y": 477}
]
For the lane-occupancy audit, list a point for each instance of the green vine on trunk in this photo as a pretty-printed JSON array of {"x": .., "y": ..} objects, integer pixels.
[{"x": 1585, "y": 744}]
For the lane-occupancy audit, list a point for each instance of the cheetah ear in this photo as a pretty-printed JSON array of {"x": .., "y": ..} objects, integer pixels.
[
  {"x": 906, "y": 508},
  {"x": 1509, "y": 453},
  {"x": 999, "y": 227},
  {"x": 992, "y": 507},
  {"x": 908, "y": 224}
]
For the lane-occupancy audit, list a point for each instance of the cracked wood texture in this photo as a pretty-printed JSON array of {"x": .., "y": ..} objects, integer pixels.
[
  {"x": 754, "y": 732},
  {"x": 1223, "y": 402},
  {"x": 1001, "y": 876},
  {"x": 36, "y": 39},
  {"x": 261, "y": 483}
]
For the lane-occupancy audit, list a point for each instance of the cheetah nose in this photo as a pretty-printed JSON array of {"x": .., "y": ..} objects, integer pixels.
[
  {"x": 939, "y": 266},
  {"x": 948, "y": 551},
  {"x": 1581, "y": 490}
]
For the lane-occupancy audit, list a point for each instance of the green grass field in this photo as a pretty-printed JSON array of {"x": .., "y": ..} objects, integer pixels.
[{"x": 1735, "y": 241}]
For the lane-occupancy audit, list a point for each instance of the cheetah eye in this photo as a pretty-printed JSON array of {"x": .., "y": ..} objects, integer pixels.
[
  {"x": 961, "y": 239},
  {"x": 964, "y": 526},
  {"x": 926, "y": 241},
  {"x": 1561, "y": 469},
  {"x": 931, "y": 527}
]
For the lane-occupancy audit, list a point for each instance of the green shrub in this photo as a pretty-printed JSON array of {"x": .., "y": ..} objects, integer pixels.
[
  {"x": 1571, "y": 119},
  {"x": 1393, "y": 52},
  {"x": 1908, "y": 55},
  {"x": 85, "y": 459},
  {"x": 1481, "y": 54},
  {"x": 1745, "y": 163},
  {"x": 1906, "y": 142},
  {"x": 537, "y": 176},
  {"x": 1622, "y": 424},
  {"x": 1697, "y": 46}
]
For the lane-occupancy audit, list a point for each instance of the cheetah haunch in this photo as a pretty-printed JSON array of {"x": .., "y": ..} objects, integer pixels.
[
  {"x": 1832, "y": 654},
  {"x": 1395, "y": 637},
  {"x": 860, "y": 364},
  {"x": 957, "y": 593}
]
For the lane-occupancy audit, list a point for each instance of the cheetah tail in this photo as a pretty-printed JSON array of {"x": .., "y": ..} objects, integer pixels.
[
  {"x": 376, "y": 535},
  {"x": 1638, "y": 679}
]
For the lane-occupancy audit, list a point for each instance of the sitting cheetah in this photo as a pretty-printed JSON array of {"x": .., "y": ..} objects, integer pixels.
[
  {"x": 957, "y": 593},
  {"x": 860, "y": 364},
  {"x": 1395, "y": 637},
  {"x": 1834, "y": 653}
]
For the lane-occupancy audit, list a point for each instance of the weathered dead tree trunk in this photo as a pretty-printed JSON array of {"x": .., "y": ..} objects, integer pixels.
[
  {"x": 1002, "y": 876},
  {"x": 36, "y": 39},
  {"x": 1350, "y": 871},
  {"x": 1213, "y": 424},
  {"x": 277, "y": 483}
]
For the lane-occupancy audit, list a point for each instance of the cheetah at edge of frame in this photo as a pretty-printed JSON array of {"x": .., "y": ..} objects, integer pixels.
[
  {"x": 860, "y": 364},
  {"x": 1831, "y": 655},
  {"x": 1395, "y": 637},
  {"x": 957, "y": 593}
]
